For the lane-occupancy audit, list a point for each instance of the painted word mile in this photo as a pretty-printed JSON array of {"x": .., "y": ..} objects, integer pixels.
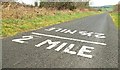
[
  {"x": 68, "y": 49},
  {"x": 58, "y": 45}
]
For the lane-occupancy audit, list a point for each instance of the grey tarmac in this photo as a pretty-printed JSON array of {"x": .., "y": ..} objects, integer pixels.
[{"x": 89, "y": 42}]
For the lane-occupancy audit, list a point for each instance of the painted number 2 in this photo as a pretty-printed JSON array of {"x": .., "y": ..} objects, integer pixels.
[{"x": 23, "y": 39}]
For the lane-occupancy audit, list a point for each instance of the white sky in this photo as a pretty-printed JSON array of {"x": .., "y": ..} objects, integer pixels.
[
  {"x": 92, "y": 2},
  {"x": 103, "y": 2},
  {"x": 30, "y": 2}
]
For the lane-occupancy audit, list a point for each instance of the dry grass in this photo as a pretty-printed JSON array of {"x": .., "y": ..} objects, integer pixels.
[{"x": 17, "y": 18}]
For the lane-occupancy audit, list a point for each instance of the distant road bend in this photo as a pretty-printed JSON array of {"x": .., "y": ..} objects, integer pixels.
[{"x": 89, "y": 42}]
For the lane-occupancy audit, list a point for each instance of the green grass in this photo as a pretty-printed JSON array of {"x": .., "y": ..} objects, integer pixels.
[
  {"x": 115, "y": 18},
  {"x": 11, "y": 27}
]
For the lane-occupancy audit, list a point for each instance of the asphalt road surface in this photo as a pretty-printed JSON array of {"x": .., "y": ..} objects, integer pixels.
[{"x": 89, "y": 42}]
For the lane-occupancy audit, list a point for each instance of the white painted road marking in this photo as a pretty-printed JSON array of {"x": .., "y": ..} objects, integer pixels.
[
  {"x": 83, "y": 32},
  {"x": 84, "y": 50},
  {"x": 67, "y": 50},
  {"x": 23, "y": 39},
  {"x": 61, "y": 46},
  {"x": 92, "y": 42}
]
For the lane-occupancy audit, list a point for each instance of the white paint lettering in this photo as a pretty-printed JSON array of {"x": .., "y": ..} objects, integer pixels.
[
  {"x": 83, "y": 33},
  {"x": 52, "y": 44},
  {"x": 59, "y": 37},
  {"x": 84, "y": 50},
  {"x": 58, "y": 30},
  {"x": 50, "y": 29},
  {"x": 67, "y": 50},
  {"x": 71, "y": 32},
  {"x": 63, "y": 30},
  {"x": 99, "y": 35},
  {"x": 61, "y": 46},
  {"x": 23, "y": 39},
  {"x": 86, "y": 33}
]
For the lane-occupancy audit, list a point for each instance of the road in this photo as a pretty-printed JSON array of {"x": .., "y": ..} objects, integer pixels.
[{"x": 89, "y": 42}]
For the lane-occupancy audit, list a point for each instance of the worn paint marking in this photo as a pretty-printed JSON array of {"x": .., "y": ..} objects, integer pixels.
[{"x": 66, "y": 38}]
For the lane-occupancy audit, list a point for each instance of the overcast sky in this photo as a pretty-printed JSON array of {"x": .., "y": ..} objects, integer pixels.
[
  {"x": 103, "y": 2},
  {"x": 92, "y": 2}
]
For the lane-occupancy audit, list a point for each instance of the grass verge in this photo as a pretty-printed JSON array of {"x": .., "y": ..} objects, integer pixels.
[
  {"x": 115, "y": 18},
  {"x": 11, "y": 26}
]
